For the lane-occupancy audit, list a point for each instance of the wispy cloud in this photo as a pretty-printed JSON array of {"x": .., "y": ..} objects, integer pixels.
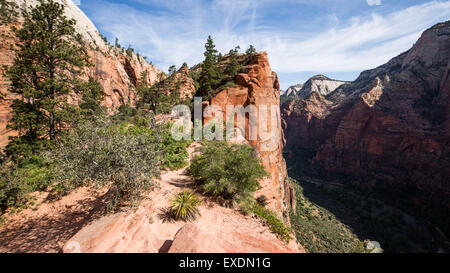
[
  {"x": 173, "y": 32},
  {"x": 373, "y": 2}
]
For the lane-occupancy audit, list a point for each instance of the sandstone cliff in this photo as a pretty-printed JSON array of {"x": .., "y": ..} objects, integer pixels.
[
  {"x": 259, "y": 86},
  {"x": 116, "y": 70},
  {"x": 388, "y": 130}
]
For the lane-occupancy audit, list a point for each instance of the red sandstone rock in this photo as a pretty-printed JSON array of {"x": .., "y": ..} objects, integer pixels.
[
  {"x": 260, "y": 87},
  {"x": 191, "y": 238},
  {"x": 390, "y": 128}
]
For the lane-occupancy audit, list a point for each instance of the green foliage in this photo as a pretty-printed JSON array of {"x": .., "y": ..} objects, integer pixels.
[
  {"x": 318, "y": 230},
  {"x": 210, "y": 75},
  {"x": 17, "y": 180},
  {"x": 8, "y": 12},
  {"x": 125, "y": 110},
  {"x": 161, "y": 96},
  {"x": 22, "y": 147},
  {"x": 250, "y": 52},
  {"x": 92, "y": 97},
  {"x": 175, "y": 152},
  {"x": 184, "y": 206},
  {"x": 271, "y": 220},
  {"x": 49, "y": 59},
  {"x": 125, "y": 158},
  {"x": 233, "y": 65},
  {"x": 229, "y": 171},
  {"x": 262, "y": 200}
]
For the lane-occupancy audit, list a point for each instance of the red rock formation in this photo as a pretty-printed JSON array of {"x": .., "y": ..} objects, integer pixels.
[
  {"x": 260, "y": 87},
  {"x": 113, "y": 68},
  {"x": 389, "y": 129},
  {"x": 148, "y": 228},
  {"x": 187, "y": 87},
  {"x": 191, "y": 238}
]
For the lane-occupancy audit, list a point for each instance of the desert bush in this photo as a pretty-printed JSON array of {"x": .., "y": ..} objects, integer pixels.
[
  {"x": 262, "y": 200},
  {"x": 99, "y": 153},
  {"x": 17, "y": 180},
  {"x": 227, "y": 170},
  {"x": 184, "y": 206},
  {"x": 271, "y": 220}
]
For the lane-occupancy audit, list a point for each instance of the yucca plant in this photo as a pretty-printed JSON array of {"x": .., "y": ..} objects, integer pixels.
[{"x": 184, "y": 206}]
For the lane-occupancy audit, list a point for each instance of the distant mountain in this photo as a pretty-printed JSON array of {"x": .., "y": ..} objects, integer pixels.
[
  {"x": 319, "y": 83},
  {"x": 292, "y": 91}
]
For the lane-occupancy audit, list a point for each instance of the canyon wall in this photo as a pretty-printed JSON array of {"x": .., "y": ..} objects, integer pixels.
[
  {"x": 116, "y": 70},
  {"x": 389, "y": 130},
  {"x": 259, "y": 87}
]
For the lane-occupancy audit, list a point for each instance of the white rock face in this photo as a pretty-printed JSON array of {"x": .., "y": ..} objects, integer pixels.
[
  {"x": 84, "y": 25},
  {"x": 321, "y": 85},
  {"x": 292, "y": 91}
]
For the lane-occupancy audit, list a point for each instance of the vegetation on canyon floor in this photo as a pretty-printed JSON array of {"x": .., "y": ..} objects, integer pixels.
[{"x": 332, "y": 217}]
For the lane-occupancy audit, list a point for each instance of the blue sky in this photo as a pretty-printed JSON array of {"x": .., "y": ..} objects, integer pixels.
[{"x": 337, "y": 38}]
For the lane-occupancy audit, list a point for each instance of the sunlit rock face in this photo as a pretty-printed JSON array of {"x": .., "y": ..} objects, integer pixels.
[
  {"x": 117, "y": 71},
  {"x": 389, "y": 129},
  {"x": 259, "y": 88},
  {"x": 319, "y": 84}
]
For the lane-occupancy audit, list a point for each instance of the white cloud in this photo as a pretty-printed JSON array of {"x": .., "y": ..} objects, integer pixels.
[
  {"x": 177, "y": 34},
  {"x": 373, "y": 2}
]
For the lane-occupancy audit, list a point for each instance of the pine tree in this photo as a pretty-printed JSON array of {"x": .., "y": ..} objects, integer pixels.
[
  {"x": 8, "y": 12},
  {"x": 153, "y": 97},
  {"x": 210, "y": 75},
  {"x": 250, "y": 52},
  {"x": 91, "y": 100},
  {"x": 48, "y": 62},
  {"x": 172, "y": 70},
  {"x": 233, "y": 65}
]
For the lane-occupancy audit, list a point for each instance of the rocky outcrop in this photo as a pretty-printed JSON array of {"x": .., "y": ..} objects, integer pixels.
[
  {"x": 259, "y": 87},
  {"x": 319, "y": 84},
  {"x": 150, "y": 229},
  {"x": 187, "y": 87},
  {"x": 192, "y": 238},
  {"x": 302, "y": 120},
  {"x": 291, "y": 91},
  {"x": 115, "y": 69},
  {"x": 388, "y": 130}
]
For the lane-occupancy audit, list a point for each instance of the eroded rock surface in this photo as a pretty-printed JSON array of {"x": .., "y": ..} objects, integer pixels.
[
  {"x": 390, "y": 129},
  {"x": 259, "y": 87}
]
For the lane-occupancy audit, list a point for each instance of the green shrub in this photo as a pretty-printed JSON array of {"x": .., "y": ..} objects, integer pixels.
[
  {"x": 184, "y": 206},
  {"x": 271, "y": 220},
  {"x": 175, "y": 152},
  {"x": 96, "y": 152},
  {"x": 17, "y": 180},
  {"x": 227, "y": 170},
  {"x": 262, "y": 200}
]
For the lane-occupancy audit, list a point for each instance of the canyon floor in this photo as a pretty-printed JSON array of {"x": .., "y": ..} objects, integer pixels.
[
  {"x": 331, "y": 216},
  {"x": 77, "y": 223}
]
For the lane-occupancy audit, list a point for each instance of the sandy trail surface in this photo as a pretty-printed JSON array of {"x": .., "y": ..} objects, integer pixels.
[{"x": 76, "y": 224}]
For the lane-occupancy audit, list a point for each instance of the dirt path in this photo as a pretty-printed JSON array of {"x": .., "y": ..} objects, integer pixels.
[{"x": 75, "y": 224}]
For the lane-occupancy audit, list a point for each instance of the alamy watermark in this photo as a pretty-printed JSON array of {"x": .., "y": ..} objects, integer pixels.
[{"x": 230, "y": 122}]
